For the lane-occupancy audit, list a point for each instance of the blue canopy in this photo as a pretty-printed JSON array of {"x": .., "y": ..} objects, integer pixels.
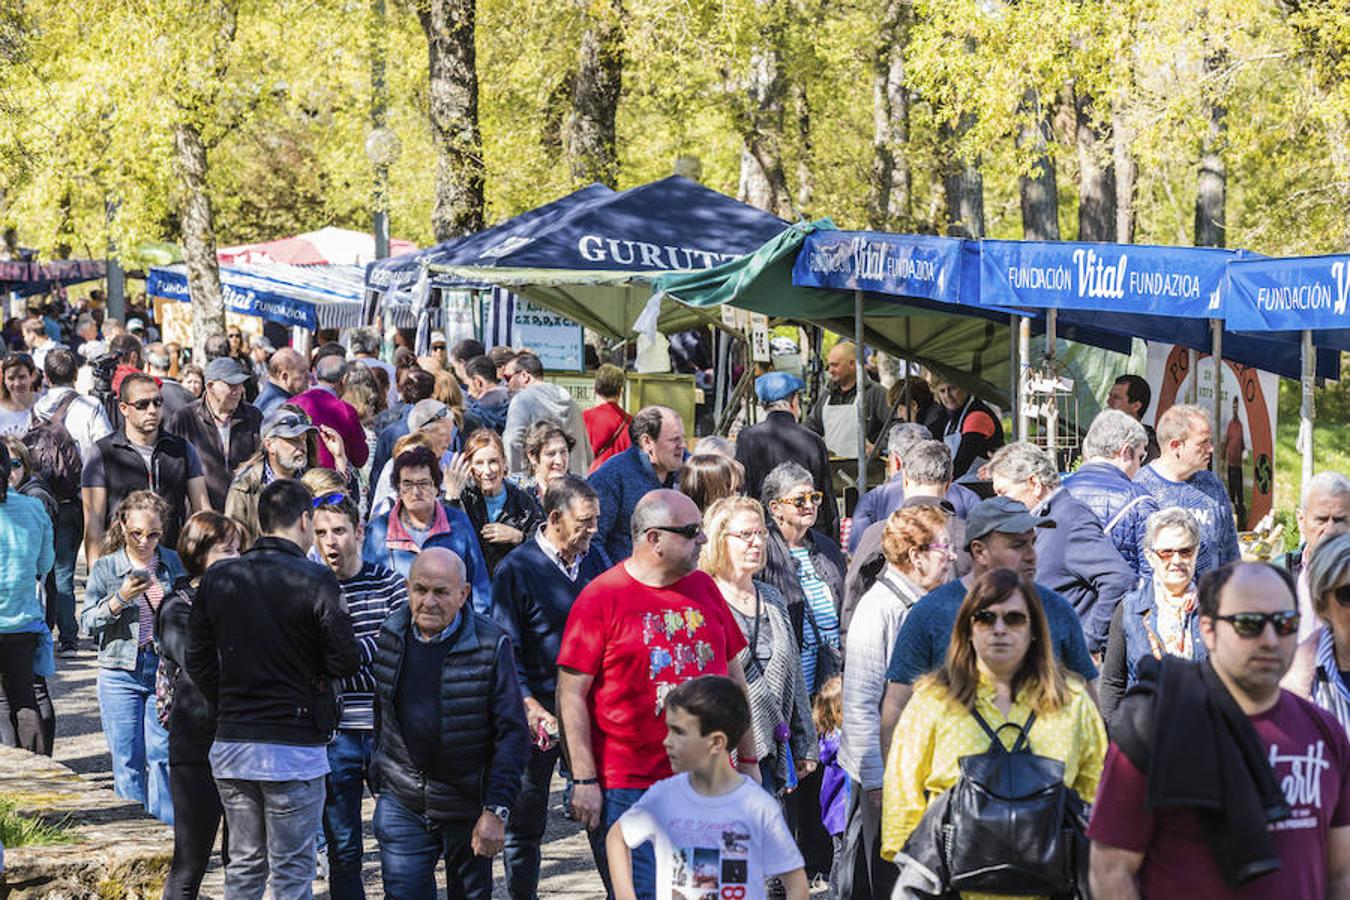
[
  {"x": 306, "y": 296},
  {"x": 399, "y": 273},
  {"x": 1293, "y": 294}
]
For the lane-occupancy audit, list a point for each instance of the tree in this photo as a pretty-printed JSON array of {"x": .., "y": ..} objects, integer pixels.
[
  {"x": 453, "y": 107},
  {"x": 891, "y": 203},
  {"x": 589, "y": 132}
]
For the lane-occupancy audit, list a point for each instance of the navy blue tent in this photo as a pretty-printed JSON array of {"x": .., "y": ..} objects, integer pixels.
[
  {"x": 27, "y": 277},
  {"x": 596, "y": 264}
]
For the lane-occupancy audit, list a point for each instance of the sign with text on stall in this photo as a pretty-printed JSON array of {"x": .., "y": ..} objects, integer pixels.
[
  {"x": 556, "y": 340},
  {"x": 1169, "y": 374}
]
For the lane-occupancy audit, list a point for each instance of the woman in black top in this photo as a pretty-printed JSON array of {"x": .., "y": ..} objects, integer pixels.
[
  {"x": 207, "y": 537},
  {"x": 502, "y": 514}
]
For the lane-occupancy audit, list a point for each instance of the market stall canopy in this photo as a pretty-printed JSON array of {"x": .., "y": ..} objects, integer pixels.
[
  {"x": 396, "y": 276},
  {"x": 28, "y": 276},
  {"x": 306, "y": 296},
  {"x": 327, "y": 246},
  {"x": 1291, "y": 294},
  {"x": 596, "y": 264}
]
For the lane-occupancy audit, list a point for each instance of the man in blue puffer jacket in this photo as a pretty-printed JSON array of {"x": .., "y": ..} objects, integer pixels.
[{"x": 1113, "y": 451}]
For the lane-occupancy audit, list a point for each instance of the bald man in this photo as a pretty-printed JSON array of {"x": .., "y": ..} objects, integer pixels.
[
  {"x": 835, "y": 417},
  {"x": 287, "y": 375},
  {"x": 451, "y": 741}
]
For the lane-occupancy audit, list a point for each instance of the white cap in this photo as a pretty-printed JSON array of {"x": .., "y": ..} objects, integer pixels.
[{"x": 437, "y": 337}]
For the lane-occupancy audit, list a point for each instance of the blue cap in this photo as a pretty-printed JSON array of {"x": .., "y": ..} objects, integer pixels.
[{"x": 775, "y": 386}]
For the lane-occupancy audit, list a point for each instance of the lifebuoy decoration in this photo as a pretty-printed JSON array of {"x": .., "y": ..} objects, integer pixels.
[{"x": 1262, "y": 435}]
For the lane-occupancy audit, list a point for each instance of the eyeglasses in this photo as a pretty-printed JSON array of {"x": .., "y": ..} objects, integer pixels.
[
  {"x": 1343, "y": 595},
  {"x": 1182, "y": 552},
  {"x": 750, "y": 535},
  {"x": 944, "y": 549},
  {"x": 435, "y": 417},
  {"x": 141, "y": 537},
  {"x": 15, "y": 462},
  {"x": 292, "y": 420},
  {"x": 143, "y": 404},
  {"x": 815, "y": 498},
  {"x": 416, "y": 487},
  {"x": 333, "y": 499},
  {"x": 688, "y": 532},
  {"x": 1253, "y": 624},
  {"x": 987, "y": 617}
]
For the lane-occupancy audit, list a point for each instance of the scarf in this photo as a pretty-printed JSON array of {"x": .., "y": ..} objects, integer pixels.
[{"x": 397, "y": 537}]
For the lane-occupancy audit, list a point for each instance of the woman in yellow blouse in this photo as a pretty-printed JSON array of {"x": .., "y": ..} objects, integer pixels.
[{"x": 1000, "y": 662}]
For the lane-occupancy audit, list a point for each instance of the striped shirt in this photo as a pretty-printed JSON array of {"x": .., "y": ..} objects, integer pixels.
[
  {"x": 146, "y": 606},
  {"x": 371, "y": 594},
  {"x": 1329, "y": 690},
  {"x": 820, "y": 609}
]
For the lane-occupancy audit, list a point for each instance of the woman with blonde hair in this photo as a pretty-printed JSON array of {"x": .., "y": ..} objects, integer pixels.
[
  {"x": 780, "y": 706},
  {"x": 126, "y": 587},
  {"x": 1000, "y": 670}
]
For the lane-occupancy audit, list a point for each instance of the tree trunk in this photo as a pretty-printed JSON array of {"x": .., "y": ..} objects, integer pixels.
[
  {"x": 199, "y": 238},
  {"x": 453, "y": 80},
  {"x": 1212, "y": 184},
  {"x": 891, "y": 203},
  {"x": 1097, "y": 218},
  {"x": 763, "y": 182},
  {"x": 963, "y": 184},
  {"x": 1040, "y": 194},
  {"x": 806, "y": 182},
  {"x": 589, "y": 131},
  {"x": 1127, "y": 179}
]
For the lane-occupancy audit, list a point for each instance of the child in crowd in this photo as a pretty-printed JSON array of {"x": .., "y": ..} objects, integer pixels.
[
  {"x": 716, "y": 833},
  {"x": 828, "y": 714}
]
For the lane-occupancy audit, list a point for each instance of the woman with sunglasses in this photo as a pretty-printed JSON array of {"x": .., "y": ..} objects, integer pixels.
[
  {"x": 1323, "y": 658},
  {"x": 502, "y": 514},
  {"x": 806, "y": 567},
  {"x": 1161, "y": 616},
  {"x": 780, "y": 706},
  {"x": 207, "y": 538},
  {"x": 18, "y": 380},
  {"x": 126, "y": 587},
  {"x": 1000, "y": 668}
]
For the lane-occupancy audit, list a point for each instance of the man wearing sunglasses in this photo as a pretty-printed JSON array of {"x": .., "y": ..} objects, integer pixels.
[
  {"x": 1217, "y": 782},
  {"x": 140, "y": 456},
  {"x": 220, "y": 426}
]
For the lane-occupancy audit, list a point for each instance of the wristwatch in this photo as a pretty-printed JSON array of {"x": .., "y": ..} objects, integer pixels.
[{"x": 501, "y": 812}]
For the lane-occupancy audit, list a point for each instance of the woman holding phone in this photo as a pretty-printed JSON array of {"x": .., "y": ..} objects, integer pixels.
[{"x": 125, "y": 589}]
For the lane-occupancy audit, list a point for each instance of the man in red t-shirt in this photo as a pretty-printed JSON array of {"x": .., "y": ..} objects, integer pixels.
[
  {"x": 647, "y": 625},
  {"x": 1249, "y": 623}
]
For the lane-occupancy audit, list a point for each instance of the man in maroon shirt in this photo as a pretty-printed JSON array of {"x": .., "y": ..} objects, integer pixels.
[
  {"x": 1147, "y": 842},
  {"x": 325, "y": 406}
]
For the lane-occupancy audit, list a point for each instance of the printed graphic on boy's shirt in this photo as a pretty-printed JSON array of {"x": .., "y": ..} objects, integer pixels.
[
  {"x": 683, "y": 658},
  {"x": 712, "y": 873}
]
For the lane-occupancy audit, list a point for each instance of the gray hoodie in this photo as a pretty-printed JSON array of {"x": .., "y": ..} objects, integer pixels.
[{"x": 545, "y": 401}]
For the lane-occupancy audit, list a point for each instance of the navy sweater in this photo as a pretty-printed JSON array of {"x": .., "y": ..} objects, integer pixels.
[
  {"x": 531, "y": 598},
  {"x": 621, "y": 482},
  {"x": 419, "y": 709}
]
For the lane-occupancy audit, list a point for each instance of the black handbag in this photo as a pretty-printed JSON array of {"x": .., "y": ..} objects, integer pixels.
[
  {"x": 829, "y": 658},
  {"x": 1009, "y": 825}
]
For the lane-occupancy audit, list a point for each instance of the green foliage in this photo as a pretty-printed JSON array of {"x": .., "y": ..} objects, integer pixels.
[{"x": 25, "y": 831}]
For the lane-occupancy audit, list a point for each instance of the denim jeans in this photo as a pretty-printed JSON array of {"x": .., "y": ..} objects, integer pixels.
[
  {"x": 69, "y": 532},
  {"x": 525, "y": 832},
  {"x": 412, "y": 844},
  {"x": 349, "y": 764},
  {"x": 271, "y": 831},
  {"x": 616, "y": 803},
  {"x": 139, "y": 745}
]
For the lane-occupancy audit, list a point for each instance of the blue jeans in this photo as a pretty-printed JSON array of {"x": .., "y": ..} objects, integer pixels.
[
  {"x": 349, "y": 762},
  {"x": 412, "y": 844},
  {"x": 139, "y": 745},
  {"x": 69, "y": 533},
  {"x": 271, "y": 832},
  {"x": 616, "y": 803},
  {"x": 525, "y": 831}
]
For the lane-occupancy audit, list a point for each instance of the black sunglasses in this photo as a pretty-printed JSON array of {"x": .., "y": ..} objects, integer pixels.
[
  {"x": 688, "y": 532},
  {"x": 987, "y": 617},
  {"x": 333, "y": 499},
  {"x": 1342, "y": 595},
  {"x": 1253, "y": 624},
  {"x": 145, "y": 403}
]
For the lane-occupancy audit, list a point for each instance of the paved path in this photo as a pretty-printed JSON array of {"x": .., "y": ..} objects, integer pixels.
[{"x": 568, "y": 870}]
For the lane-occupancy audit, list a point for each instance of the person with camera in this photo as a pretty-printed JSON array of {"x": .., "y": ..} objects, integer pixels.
[
  {"x": 1001, "y": 684},
  {"x": 269, "y": 636},
  {"x": 125, "y": 589}
]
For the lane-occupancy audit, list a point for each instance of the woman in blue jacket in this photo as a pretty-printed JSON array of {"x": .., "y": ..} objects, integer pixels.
[
  {"x": 420, "y": 520},
  {"x": 26, "y": 556},
  {"x": 126, "y": 587}
]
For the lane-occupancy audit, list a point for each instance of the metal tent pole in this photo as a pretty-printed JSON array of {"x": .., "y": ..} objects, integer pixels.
[
  {"x": 859, "y": 389},
  {"x": 1305, "y": 409},
  {"x": 1052, "y": 420},
  {"x": 1015, "y": 388},
  {"x": 1023, "y": 371},
  {"x": 1216, "y": 356}
]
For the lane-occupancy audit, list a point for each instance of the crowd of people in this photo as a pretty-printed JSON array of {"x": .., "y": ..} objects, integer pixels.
[{"x": 442, "y": 580}]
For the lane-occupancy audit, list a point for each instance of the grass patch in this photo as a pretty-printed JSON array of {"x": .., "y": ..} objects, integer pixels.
[{"x": 25, "y": 831}]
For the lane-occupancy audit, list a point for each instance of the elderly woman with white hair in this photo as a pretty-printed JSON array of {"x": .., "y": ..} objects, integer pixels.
[
  {"x": 1319, "y": 668},
  {"x": 1160, "y": 617}
]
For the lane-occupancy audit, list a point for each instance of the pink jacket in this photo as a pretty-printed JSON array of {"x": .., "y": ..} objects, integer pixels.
[{"x": 327, "y": 408}]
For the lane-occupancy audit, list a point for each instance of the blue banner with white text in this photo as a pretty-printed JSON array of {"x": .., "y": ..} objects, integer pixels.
[
  {"x": 245, "y": 300},
  {"x": 901, "y": 265},
  {"x": 1303, "y": 293}
]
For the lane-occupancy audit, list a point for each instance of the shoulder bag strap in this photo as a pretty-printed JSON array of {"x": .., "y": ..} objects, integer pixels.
[
  {"x": 1022, "y": 741},
  {"x": 1115, "y": 520},
  {"x": 615, "y": 436}
]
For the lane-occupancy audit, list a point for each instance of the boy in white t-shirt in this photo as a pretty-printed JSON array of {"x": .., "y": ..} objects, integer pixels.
[{"x": 716, "y": 833}]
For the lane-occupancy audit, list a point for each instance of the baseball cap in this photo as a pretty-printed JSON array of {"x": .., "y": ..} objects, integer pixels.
[
  {"x": 437, "y": 338},
  {"x": 287, "y": 423},
  {"x": 425, "y": 412},
  {"x": 775, "y": 386},
  {"x": 225, "y": 369},
  {"x": 1004, "y": 515},
  {"x": 135, "y": 325}
]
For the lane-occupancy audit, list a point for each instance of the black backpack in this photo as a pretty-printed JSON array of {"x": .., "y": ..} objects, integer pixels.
[
  {"x": 55, "y": 455},
  {"x": 1009, "y": 825}
]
